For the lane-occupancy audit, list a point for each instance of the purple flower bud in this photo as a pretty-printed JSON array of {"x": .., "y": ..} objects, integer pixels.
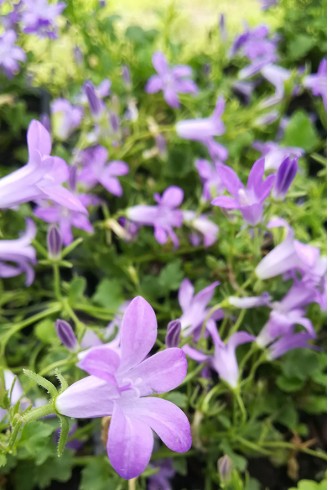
[
  {"x": 222, "y": 27},
  {"x": 54, "y": 241},
  {"x": 66, "y": 334},
  {"x": 114, "y": 122},
  {"x": 173, "y": 331},
  {"x": 126, "y": 76},
  {"x": 225, "y": 468},
  {"x": 93, "y": 99},
  {"x": 285, "y": 176},
  {"x": 160, "y": 144}
]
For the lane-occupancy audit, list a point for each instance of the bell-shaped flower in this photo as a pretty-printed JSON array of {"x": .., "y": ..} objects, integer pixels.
[
  {"x": 195, "y": 308},
  {"x": 205, "y": 128},
  {"x": 10, "y": 54},
  {"x": 317, "y": 83},
  {"x": 18, "y": 256},
  {"x": 250, "y": 199},
  {"x": 97, "y": 169},
  {"x": 40, "y": 177},
  {"x": 162, "y": 217},
  {"x": 291, "y": 341},
  {"x": 120, "y": 386},
  {"x": 275, "y": 154},
  {"x": 277, "y": 76},
  {"x": 171, "y": 80}
]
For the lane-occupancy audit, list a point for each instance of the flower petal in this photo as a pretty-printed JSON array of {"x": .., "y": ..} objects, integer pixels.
[
  {"x": 88, "y": 398},
  {"x": 172, "y": 196},
  {"x": 101, "y": 362},
  {"x": 185, "y": 294},
  {"x": 130, "y": 444},
  {"x": 138, "y": 332},
  {"x": 166, "y": 419},
  {"x": 38, "y": 139},
  {"x": 161, "y": 372}
]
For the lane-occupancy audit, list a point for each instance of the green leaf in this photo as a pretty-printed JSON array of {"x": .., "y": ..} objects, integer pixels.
[
  {"x": 35, "y": 442},
  {"x": 97, "y": 475},
  {"x": 64, "y": 430},
  {"x": 300, "y": 364},
  {"x": 41, "y": 381},
  {"x": 171, "y": 276},
  {"x": 301, "y": 132},
  {"x": 45, "y": 331},
  {"x": 177, "y": 398},
  {"x": 300, "y": 45},
  {"x": 109, "y": 294},
  {"x": 77, "y": 288},
  {"x": 289, "y": 384},
  {"x": 310, "y": 485}
]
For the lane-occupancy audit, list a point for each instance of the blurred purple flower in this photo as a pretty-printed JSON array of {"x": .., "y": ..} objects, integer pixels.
[
  {"x": 284, "y": 178},
  {"x": 10, "y": 55},
  {"x": 39, "y": 17},
  {"x": 250, "y": 301},
  {"x": 13, "y": 388},
  {"x": 120, "y": 386},
  {"x": 195, "y": 307},
  {"x": 162, "y": 217},
  {"x": 266, "y": 4},
  {"x": 317, "y": 83},
  {"x": 277, "y": 76},
  {"x": 291, "y": 341},
  {"x": 274, "y": 154},
  {"x": 66, "y": 334},
  {"x": 204, "y": 227},
  {"x": 161, "y": 479},
  {"x": 223, "y": 28},
  {"x": 171, "y": 80},
  {"x": 65, "y": 118},
  {"x": 18, "y": 256},
  {"x": 210, "y": 176},
  {"x": 249, "y": 200},
  {"x": 96, "y": 170}
]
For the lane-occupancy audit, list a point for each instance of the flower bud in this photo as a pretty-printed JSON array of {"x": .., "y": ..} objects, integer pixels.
[
  {"x": 126, "y": 76},
  {"x": 66, "y": 334},
  {"x": 285, "y": 176},
  {"x": 114, "y": 122},
  {"x": 93, "y": 99},
  {"x": 173, "y": 331},
  {"x": 225, "y": 468},
  {"x": 54, "y": 241}
]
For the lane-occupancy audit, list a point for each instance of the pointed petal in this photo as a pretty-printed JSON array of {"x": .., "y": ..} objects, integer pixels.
[
  {"x": 230, "y": 179},
  {"x": 226, "y": 202},
  {"x": 161, "y": 372},
  {"x": 205, "y": 295},
  {"x": 38, "y": 139},
  {"x": 167, "y": 420},
  {"x": 130, "y": 444},
  {"x": 101, "y": 362},
  {"x": 195, "y": 354},
  {"x": 138, "y": 332},
  {"x": 154, "y": 85},
  {"x": 172, "y": 197},
  {"x": 256, "y": 174},
  {"x": 88, "y": 398},
  {"x": 185, "y": 294},
  {"x": 239, "y": 338},
  {"x": 159, "y": 62},
  {"x": 62, "y": 196}
]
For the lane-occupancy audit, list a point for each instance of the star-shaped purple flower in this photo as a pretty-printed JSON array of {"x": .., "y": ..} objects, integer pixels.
[{"x": 10, "y": 54}]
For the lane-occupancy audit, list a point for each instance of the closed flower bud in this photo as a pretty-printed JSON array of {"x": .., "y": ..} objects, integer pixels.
[
  {"x": 225, "y": 468},
  {"x": 54, "y": 241},
  {"x": 66, "y": 334},
  {"x": 126, "y": 76},
  {"x": 285, "y": 176},
  {"x": 93, "y": 99},
  {"x": 172, "y": 338}
]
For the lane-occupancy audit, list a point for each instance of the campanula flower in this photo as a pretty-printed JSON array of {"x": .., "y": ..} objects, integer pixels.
[
  {"x": 266, "y": 4},
  {"x": 317, "y": 83},
  {"x": 54, "y": 242},
  {"x": 18, "y": 256},
  {"x": 173, "y": 332},
  {"x": 120, "y": 385},
  {"x": 250, "y": 301},
  {"x": 277, "y": 76},
  {"x": 195, "y": 307},
  {"x": 285, "y": 176},
  {"x": 66, "y": 334},
  {"x": 95, "y": 103},
  {"x": 291, "y": 341},
  {"x": 96, "y": 169},
  {"x": 162, "y": 217},
  {"x": 223, "y": 360},
  {"x": 250, "y": 199},
  {"x": 161, "y": 479},
  {"x": 39, "y": 17},
  {"x": 66, "y": 118},
  {"x": 171, "y": 80},
  {"x": 10, "y": 54},
  {"x": 209, "y": 174},
  {"x": 274, "y": 154},
  {"x": 204, "y": 228}
]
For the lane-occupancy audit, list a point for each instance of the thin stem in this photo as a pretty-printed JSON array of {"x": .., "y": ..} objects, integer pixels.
[
  {"x": 38, "y": 413},
  {"x": 56, "y": 272}
]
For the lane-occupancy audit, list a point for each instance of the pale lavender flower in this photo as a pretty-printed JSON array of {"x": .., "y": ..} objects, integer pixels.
[
  {"x": 161, "y": 479},
  {"x": 66, "y": 334},
  {"x": 291, "y": 341},
  {"x": 285, "y": 176},
  {"x": 274, "y": 154},
  {"x": 266, "y": 4},
  {"x": 171, "y": 80},
  {"x": 162, "y": 217},
  {"x": 210, "y": 176},
  {"x": 317, "y": 83},
  {"x": 205, "y": 228},
  {"x": 224, "y": 360},
  {"x": 250, "y": 301},
  {"x": 10, "y": 54},
  {"x": 13, "y": 388},
  {"x": 18, "y": 256},
  {"x": 39, "y": 17},
  {"x": 203, "y": 129},
  {"x": 126, "y": 76},
  {"x": 120, "y": 385},
  {"x": 96, "y": 169},
  {"x": 245, "y": 89},
  {"x": 66, "y": 118},
  {"x": 195, "y": 307},
  {"x": 277, "y": 76},
  {"x": 250, "y": 199},
  {"x": 223, "y": 28}
]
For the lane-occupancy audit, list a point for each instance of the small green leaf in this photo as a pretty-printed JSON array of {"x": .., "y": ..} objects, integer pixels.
[
  {"x": 300, "y": 132},
  {"x": 64, "y": 430},
  {"x": 41, "y": 381}
]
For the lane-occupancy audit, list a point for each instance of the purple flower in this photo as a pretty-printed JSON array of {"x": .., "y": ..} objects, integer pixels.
[
  {"x": 195, "y": 307},
  {"x": 250, "y": 301},
  {"x": 249, "y": 200},
  {"x": 318, "y": 83},
  {"x": 66, "y": 334},
  {"x": 120, "y": 385},
  {"x": 204, "y": 227},
  {"x": 161, "y": 479},
  {"x": 210, "y": 176},
  {"x": 289, "y": 342},
  {"x": 39, "y": 17},
  {"x": 65, "y": 118},
  {"x": 224, "y": 360},
  {"x": 266, "y": 4},
  {"x": 173, "y": 332},
  {"x": 223, "y": 28},
  {"x": 14, "y": 390},
  {"x": 274, "y": 154},
  {"x": 277, "y": 76},
  {"x": 96, "y": 169},
  {"x": 203, "y": 129},
  {"x": 171, "y": 80},
  {"x": 18, "y": 256},
  {"x": 95, "y": 103},
  {"x": 10, "y": 55},
  {"x": 285, "y": 176},
  {"x": 54, "y": 242},
  {"x": 162, "y": 217}
]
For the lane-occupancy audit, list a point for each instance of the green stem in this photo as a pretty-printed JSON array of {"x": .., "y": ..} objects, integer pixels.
[
  {"x": 57, "y": 364},
  {"x": 293, "y": 447},
  {"x": 56, "y": 272},
  {"x": 38, "y": 413}
]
